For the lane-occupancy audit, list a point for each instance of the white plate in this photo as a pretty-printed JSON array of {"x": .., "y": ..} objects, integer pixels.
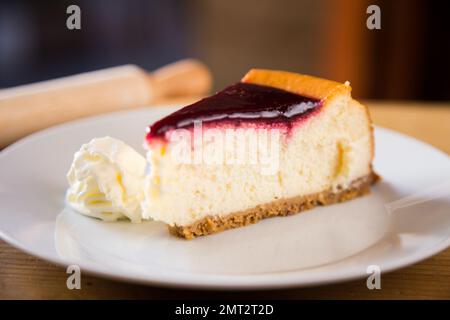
[{"x": 323, "y": 245}]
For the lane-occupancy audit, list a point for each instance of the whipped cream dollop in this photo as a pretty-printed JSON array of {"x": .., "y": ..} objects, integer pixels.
[{"x": 106, "y": 180}]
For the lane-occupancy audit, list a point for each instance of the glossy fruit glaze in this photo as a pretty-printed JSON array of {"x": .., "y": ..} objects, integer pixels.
[{"x": 239, "y": 105}]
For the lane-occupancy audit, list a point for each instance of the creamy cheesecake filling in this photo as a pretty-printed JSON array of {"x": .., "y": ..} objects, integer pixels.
[{"x": 329, "y": 150}]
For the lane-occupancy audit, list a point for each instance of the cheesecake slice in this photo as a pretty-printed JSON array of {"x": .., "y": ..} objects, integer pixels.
[{"x": 274, "y": 144}]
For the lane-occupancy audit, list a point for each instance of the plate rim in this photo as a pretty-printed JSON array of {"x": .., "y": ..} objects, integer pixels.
[{"x": 227, "y": 282}]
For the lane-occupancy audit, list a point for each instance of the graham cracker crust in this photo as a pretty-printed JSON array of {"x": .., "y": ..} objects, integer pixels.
[{"x": 282, "y": 207}]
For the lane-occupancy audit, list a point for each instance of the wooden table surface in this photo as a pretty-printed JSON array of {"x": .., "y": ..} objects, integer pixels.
[{"x": 25, "y": 277}]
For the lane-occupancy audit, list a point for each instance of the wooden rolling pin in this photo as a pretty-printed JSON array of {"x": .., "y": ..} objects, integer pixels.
[{"x": 28, "y": 108}]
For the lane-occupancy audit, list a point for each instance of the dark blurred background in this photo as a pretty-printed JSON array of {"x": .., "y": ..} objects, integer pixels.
[{"x": 409, "y": 58}]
